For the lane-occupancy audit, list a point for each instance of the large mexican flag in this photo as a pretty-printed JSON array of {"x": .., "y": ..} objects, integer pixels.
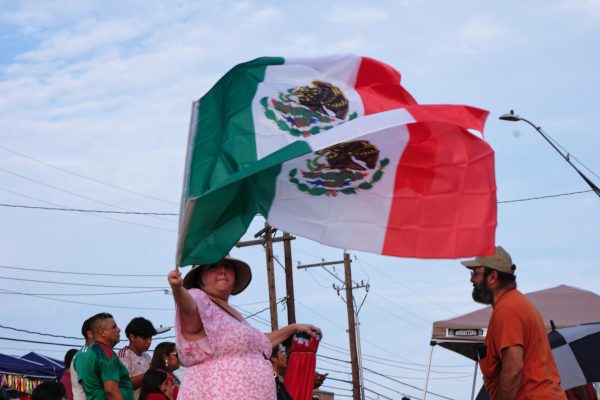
[{"x": 335, "y": 150}]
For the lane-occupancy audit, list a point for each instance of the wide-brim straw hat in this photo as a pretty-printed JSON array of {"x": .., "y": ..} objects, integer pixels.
[{"x": 243, "y": 275}]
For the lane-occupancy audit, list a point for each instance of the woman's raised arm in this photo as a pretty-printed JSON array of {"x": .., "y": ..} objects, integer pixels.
[{"x": 191, "y": 323}]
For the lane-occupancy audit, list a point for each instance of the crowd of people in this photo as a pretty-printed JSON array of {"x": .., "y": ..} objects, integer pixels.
[
  {"x": 228, "y": 359},
  {"x": 225, "y": 357}
]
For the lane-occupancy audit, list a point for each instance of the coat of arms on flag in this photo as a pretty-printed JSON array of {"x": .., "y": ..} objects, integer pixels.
[
  {"x": 343, "y": 168},
  {"x": 308, "y": 110}
]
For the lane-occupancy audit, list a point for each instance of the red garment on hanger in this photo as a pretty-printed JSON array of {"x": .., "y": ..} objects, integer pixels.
[{"x": 300, "y": 373}]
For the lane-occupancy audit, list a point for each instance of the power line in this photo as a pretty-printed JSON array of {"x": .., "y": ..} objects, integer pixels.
[
  {"x": 90, "y": 304},
  {"x": 39, "y": 342},
  {"x": 85, "y": 177},
  {"x": 83, "y": 284},
  {"x": 385, "y": 387},
  {"x": 410, "y": 289},
  {"x": 405, "y": 384},
  {"x": 148, "y": 213},
  {"x": 85, "y": 294},
  {"x": 85, "y": 210},
  {"x": 90, "y": 214},
  {"x": 79, "y": 273},
  {"x": 545, "y": 197},
  {"x": 70, "y": 192},
  {"x": 39, "y": 333}
]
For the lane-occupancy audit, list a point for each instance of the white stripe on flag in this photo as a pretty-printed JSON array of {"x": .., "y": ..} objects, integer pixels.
[{"x": 344, "y": 220}]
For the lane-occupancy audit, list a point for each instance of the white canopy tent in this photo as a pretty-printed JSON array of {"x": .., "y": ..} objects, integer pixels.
[{"x": 564, "y": 305}]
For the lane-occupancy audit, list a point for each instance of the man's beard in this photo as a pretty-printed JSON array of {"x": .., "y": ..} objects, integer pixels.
[{"x": 482, "y": 293}]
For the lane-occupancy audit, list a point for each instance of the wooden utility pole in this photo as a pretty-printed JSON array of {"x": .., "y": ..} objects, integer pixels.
[
  {"x": 351, "y": 328},
  {"x": 267, "y": 240},
  {"x": 271, "y": 276},
  {"x": 289, "y": 278},
  {"x": 357, "y": 384}
]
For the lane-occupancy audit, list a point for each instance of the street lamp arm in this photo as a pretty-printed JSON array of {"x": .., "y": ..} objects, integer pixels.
[{"x": 513, "y": 117}]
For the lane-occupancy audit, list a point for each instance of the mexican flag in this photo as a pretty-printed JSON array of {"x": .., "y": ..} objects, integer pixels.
[{"x": 334, "y": 149}]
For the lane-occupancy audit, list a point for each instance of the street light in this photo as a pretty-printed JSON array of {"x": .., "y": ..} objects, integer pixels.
[{"x": 514, "y": 117}]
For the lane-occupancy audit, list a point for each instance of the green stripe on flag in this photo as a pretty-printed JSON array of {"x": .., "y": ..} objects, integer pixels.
[
  {"x": 224, "y": 132},
  {"x": 222, "y": 215}
]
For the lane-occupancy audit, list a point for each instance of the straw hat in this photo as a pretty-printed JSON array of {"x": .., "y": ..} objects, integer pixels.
[{"x": 243, "y": 275}]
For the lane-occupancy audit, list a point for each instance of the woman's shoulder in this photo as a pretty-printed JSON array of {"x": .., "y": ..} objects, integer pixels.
[{"x": 198, "y": 294}]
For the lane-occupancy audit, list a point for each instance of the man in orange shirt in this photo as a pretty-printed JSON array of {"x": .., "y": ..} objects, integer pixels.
[{"x": 518, "y": 363}]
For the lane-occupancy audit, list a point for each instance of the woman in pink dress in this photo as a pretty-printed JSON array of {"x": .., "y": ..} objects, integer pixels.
[{"x": 225, "y": 357}]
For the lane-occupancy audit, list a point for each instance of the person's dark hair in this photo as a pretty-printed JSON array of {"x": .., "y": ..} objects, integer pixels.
[
  {"x": 160, "y": 351},
  {"x": 49, "y": 391},
  {"x": 140, "y": 326},
  {"x": 96, "y": 321},
  {"x": 87, "y": 326},
  {"x": 504, "y": 279},
  {"x": 151, "y": 382},
  {"x": 69, "y": 357}
]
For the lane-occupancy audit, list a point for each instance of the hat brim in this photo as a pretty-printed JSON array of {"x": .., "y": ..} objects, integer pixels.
[
  {"x": 243, "y": 275},
  {"x": 471, "y": 264}
]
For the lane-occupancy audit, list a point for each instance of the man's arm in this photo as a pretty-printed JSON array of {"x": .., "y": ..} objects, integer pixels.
[
  {"x": 136, "y": 381},
  {"x": 510, "y": 375},
  {"x": 111, "y": 388}
]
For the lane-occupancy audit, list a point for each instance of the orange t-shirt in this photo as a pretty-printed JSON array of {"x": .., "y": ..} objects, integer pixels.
[{"x": 516, "y": 322}]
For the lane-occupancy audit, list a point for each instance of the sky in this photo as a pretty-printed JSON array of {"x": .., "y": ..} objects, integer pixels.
[{"x": 95, "y": 101}]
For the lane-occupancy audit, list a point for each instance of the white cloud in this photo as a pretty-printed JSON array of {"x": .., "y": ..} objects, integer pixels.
[
  {"x": 590, "y": 7},
  {"x": 477, "y": 32},
  {"x": 358, "y": 15},
  {"x": 262, "y": 17},
  {"x": 87, "y": 36}
]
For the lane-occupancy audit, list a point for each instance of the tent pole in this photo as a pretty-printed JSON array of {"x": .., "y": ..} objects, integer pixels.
[
  {"x": 431, "y": 345},
  {"x": 474, "y": 379}
]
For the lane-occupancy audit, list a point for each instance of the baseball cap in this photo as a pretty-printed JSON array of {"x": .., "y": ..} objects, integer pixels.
[{"x": 500, "y": 261}]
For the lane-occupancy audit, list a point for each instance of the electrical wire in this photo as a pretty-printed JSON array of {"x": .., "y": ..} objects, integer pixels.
[
  {"x": 85, "y": 294},
  {"x": 545, "y": 197},
  {"x": 39, "y": 333},
  {"x": 85, "y": 177},
  {"x": 72, "y": 193},
  {"x": 91, "y": 304},
  {"x": 82, "y": 284},
  {"x": 410, "y": 289},
  {"x": 79, "y": 273},
  {"x": 86, "y": 210},
  {"x": 90, "y": 214},
  {"x": 147, "y": 213}
]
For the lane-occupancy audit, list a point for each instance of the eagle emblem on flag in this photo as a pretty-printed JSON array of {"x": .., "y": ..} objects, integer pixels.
[
  {"x": 308, "y": 110},
  {"x": 342, "y": 168}
]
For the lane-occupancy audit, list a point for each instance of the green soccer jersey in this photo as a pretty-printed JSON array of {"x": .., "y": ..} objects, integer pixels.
[{"x": 96, "y": 364}]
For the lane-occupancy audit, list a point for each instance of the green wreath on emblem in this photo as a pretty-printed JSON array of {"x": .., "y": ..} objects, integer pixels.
[
  {"x": 299, "y": 116},
  {"x": 336, "y": 176}
]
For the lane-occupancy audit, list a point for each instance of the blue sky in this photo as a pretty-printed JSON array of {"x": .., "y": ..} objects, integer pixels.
[{"x": 104, "y": 90}]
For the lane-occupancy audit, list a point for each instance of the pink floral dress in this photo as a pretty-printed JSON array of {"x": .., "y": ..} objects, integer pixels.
[{"x": 231, "y": 362}]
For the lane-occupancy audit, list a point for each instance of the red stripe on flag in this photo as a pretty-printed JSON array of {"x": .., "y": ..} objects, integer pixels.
[
  {"x": 444, "y": 194},
  {"x": 379, "y": 87}
]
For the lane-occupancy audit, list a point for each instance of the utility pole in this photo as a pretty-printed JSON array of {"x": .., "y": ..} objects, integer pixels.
[
  {"x": 357, "y": 381},
  {"x": 266, "y": 239},
  {"x": 289, "y": 278}
]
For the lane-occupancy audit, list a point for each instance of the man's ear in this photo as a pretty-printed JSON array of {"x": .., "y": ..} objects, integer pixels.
[{"x": 494, "y": 276}]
